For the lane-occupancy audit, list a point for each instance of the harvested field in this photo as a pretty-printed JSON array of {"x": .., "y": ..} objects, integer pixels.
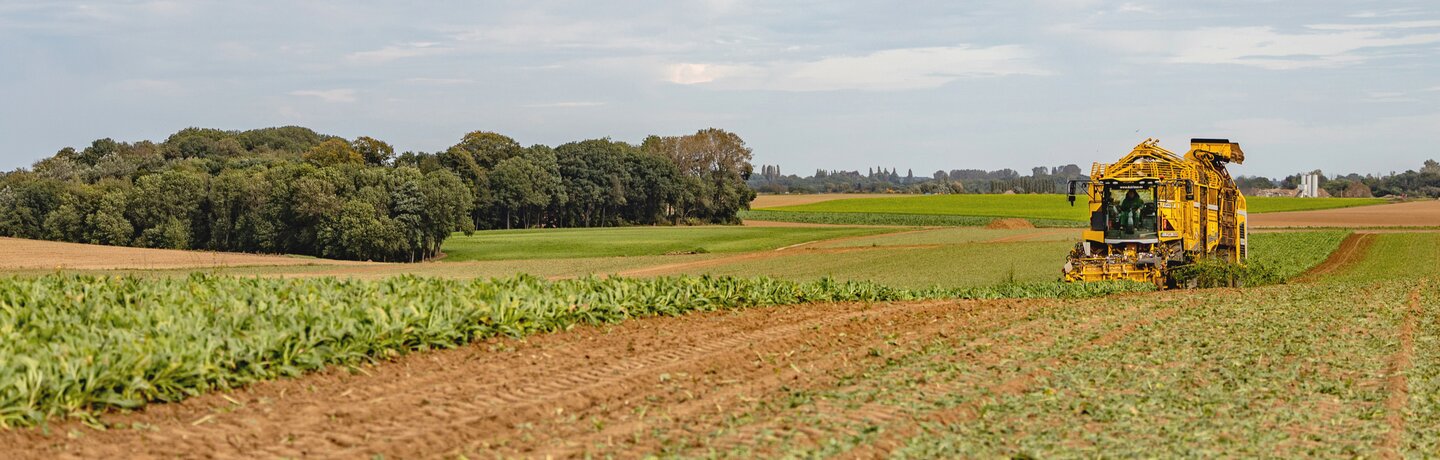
[
  {"x": 1412, "y": 214},
  {"x": 771, "y": 201},
  {"x": 23, "y": 254}
]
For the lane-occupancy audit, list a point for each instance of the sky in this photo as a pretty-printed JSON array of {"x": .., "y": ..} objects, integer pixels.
[{"x": 1350, "y": 86}]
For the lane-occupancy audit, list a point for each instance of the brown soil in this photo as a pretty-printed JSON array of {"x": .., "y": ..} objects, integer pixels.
[
  {"x": 1395, "y": 384},
  {"x": 1351, "y": 251},
  {"x": 25, "y": 254},
  {"x": 1412, "y": 214},
  {"x": 1009, "y": 223},
  {"x": 775, "y": 201}
]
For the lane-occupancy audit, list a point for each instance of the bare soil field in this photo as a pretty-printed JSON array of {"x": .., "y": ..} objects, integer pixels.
[
  {"x": 775, "y": 201},
  {"x": 44, "y": 255},
  {"x": 1412, "y": 214}
]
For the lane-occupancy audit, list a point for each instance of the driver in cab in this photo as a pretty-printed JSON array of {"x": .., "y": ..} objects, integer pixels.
[{"x": 1130, "y": 210}]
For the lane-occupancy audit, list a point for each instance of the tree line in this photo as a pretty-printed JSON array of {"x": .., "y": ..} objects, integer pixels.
[
  {"x": 292, "y": 190},
  {"x": 1042, "y": 179}
]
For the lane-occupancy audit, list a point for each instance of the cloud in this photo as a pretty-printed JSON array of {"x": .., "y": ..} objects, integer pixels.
[
  {"x": 1130, "y": 7},
  {"x": 150, "y": 86},
  {"x": 563, "y": 105},
  {"x": 1319, "y": 46},
  {"x": 1387, "y": 96},
  {"x": 1384, "y": 26},
  {"x": 439, "y": 81},
  {"x": 393, "y": 52},
  {"x": 888, "y": 70},
  {"x": 328, "y": 95}
]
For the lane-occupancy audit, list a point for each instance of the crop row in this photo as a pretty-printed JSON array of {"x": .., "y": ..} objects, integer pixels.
[
  {"x": 79, "y": 345},
  {"x": 1246, "y": 373},
  {"x": 877, "y": 218}
]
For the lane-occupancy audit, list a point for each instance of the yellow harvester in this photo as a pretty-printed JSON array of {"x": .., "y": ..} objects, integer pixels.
[{"x": 1153, "y": 210}]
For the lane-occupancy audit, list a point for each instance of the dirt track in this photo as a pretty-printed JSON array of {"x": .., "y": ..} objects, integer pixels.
[
  {"x": 622, "y": 390},
  {"x": 44, "y": 255},
  {"x": 1412, "y": 214}
]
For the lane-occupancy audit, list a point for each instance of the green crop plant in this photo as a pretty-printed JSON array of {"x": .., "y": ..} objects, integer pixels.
[{"x": 79, "y": 345}]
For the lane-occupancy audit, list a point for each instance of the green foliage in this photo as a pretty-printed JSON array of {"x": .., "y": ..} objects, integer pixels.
[
  {"x": 77, "y": 345},
  {"x": 1210, "y": 272},
  {"x": 865, "y": 218},
  {"x": 1398, "y": 256},
  {"x": 1289, "y": 254},
  {"x": 334, "y": 152},
  {"x": 374, "y": 151},
  {"x": 292, "y": 190},
  {"x": 1274, "y": 258}
]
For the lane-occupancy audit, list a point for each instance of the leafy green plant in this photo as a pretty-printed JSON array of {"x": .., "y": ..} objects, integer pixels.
[
  {"x": 1212, "y": 272},
  {"x": 79, "y": 345}
]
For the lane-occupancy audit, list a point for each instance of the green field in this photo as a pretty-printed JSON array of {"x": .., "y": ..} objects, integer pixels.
[
  {"x": 907, "y": 220},
  {"x": 1260, "y": 204},
  {"x": 978, "y": 209},
  {"x": 562, "y": 243},
  {"x": 1050, "y": 207},
  {"x": 966, "y": 257}
]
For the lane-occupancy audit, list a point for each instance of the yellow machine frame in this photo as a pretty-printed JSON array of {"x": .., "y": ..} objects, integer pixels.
[{"x": 1198, "y": 213}]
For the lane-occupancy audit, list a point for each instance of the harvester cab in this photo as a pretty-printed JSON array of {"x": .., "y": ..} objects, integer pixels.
[{"x": 1154, "y": 210}]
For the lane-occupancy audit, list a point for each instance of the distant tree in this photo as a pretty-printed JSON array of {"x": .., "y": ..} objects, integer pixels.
[
  {"x": 164, "y": 207},
  {"x": 522, "y": 187},
  {"x": 333, "y": 152},
  {"x": 108, "y": 225},
  {"x": 374, "y": 151}
]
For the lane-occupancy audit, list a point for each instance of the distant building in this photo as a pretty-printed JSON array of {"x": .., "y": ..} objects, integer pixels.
[{"x": 1293, "y": 193}]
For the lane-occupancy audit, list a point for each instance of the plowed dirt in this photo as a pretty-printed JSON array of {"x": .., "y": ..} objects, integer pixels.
[
  {"x": 1009, "y": 224},
  {"x": 24, "y": 254},
  {"x": 1351, "y": 251},
  {"x": 1412, "y": 214}
]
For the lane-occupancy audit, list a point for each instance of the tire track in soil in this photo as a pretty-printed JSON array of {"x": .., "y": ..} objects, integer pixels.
[
  {"x": 978, "y": 319},
  {"x": 1352, "y": 250},
  {"x": 1395, "y": 384},
  {"x": 1017, "y": 340},
  {"x": 730, "y": 354},
  {"x": 1020, "y": 384},
  {"x": 1014, "y": 386},
  {"x": 425, "y": 405}
]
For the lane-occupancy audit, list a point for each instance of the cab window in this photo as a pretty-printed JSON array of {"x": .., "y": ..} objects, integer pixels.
[{"x": 1129, "y": 213}]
